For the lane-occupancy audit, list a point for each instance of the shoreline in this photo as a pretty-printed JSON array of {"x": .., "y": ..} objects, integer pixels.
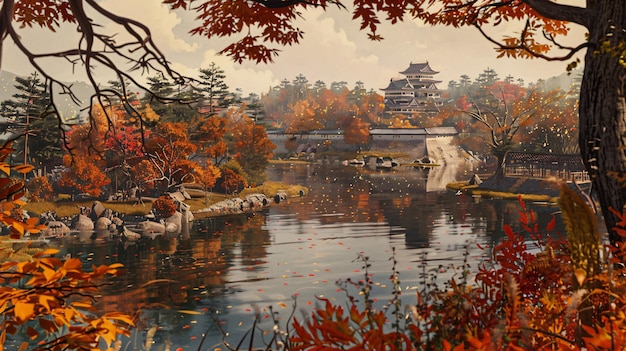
[
  {"x": 510, "y": 187},
  {"x": 475, "y": 191},
  {"x": 198, "y": 203}
]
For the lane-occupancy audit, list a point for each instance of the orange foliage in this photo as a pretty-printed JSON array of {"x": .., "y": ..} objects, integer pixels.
[
  {"x": 211, "y": 129},
  {"x": 39, "y": 188},
  {"x": 259, "y": 24},
  {"x": 208, "y": 176},
  {"x": 210, "y": 135},
  {"x": 11, "y": 192},
  {"x": 555, "y": 130},
  {"x": 369, "y": 107},
  {"x": 149, "y": 116},
  {"x": 333, "y": 328},
  {"x": 168, "y": 149},
  {"x": 144, "y": 175},
  {"x": 356, "y": 132},
  {"x": 59, "y": 296},
  {"x": 232, "y": 181},
  {"x": 501, "y": 110},
  {"x": 302, "y": 117},
  {"x": 83, "y": 175},
  {"x": 217, "y": 151},
  {"x": 253, "y": 148},
  {"x": 164, "y": 206},
  {"x": 401, "y": 121},
  {"x": 186, "y": 171},
  {"x": 85, "y": 140}
]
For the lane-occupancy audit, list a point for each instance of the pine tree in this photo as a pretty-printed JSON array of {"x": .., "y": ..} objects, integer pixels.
[
  {"x": 213, "y": 87},
  {"x": 29, "y": 118},
  {"x": 162, "y": 89},
  {"x": 167, "y": 97}
]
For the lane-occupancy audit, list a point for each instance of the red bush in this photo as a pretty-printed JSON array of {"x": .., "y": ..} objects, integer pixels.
[{"x": 164, "y": 206}]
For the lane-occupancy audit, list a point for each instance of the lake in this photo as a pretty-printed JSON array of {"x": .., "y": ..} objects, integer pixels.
[{"x": 193, "y": 292}]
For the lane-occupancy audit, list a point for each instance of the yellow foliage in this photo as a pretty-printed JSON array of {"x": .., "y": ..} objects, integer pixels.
[
  {"x": 582, "y": 232},
  {"x": 400, "y": 121}
]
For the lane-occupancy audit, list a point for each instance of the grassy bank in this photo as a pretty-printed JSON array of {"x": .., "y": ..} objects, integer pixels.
[
  {"x": 67, "y": 208},
  {"x": 474, "y": 190}
]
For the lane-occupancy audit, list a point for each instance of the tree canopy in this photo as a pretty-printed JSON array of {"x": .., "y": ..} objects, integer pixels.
[
  {"x": 542, "y": 26},
  {"x": 257, "y": 29}
]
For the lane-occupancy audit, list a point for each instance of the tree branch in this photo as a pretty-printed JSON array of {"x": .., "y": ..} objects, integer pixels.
[
  {"x": 277, "y": 4},
  {"x": 6, "y": 19},
  {"x": 523, "y": 47},
  {"x": 561, "y": 12},
  {"x": 96, "y": 51}
]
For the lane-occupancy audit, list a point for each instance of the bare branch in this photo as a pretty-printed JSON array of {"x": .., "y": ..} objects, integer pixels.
[
  {"x": 95, "y": 51},
  {"x": 6, "y": 20}
]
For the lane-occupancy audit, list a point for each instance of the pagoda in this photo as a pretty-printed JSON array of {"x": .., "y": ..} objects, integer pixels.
[{"x": 415, "y": 93}]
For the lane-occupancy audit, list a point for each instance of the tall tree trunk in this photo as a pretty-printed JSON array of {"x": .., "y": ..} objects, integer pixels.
[
  {"x": 603, "y": 109},
  {"x": 500, "y": 154}
]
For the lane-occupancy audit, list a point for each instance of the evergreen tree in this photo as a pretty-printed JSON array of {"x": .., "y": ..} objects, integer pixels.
[
  {"x": 301, "y": 87},
  {"x": 123, "y": 91},
  {"x": 337, "y": 87},
  {"x": 465, "y": 81},
  {"x": 487, "y": 78},
  {"x": 167, "y": 97},
  {"x": 162, "y": 89},
  {"x": 213, "y": 87},
  {"x": 30, "y": 118},
  {"x": 319, "y": 86},
  {"x": 254, "y": 107},
  {"x": 357, "y": 93},
  {"x": 359, "y": 88}
]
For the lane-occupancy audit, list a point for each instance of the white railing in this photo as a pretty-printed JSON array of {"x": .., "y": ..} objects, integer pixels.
[{"x": 522, "y": 171}]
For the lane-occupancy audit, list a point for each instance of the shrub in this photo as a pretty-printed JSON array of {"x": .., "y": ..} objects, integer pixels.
[
  {"x": 39, "y": 188},
  {"x": 538, "y": 292},
  {"x": 233, "y": 178},
  {"x": 164, "y": 206}
]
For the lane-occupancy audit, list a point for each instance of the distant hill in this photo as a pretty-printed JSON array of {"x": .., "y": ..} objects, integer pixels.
[
  {"x": 6, "y": 85},
  {"x": 565, "y": 81},
  {"x": 67, "y": 108}
]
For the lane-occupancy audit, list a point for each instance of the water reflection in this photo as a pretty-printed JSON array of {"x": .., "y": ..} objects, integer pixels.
[{"x": 233, "y": 266}]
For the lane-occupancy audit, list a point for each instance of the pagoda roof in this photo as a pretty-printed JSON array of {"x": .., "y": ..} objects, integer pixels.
[
  {"x": 422, "y": 80},
  {"x": 397, "y": 131},
  {"x": 399, "y": 84},
  {"x": 415, "y": 68}
]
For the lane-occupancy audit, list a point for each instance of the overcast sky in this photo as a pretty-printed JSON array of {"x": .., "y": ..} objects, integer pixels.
[{"x": 333, "y": 49}]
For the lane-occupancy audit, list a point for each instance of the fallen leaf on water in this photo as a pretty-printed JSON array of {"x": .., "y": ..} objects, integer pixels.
[{"x": 189, "y": 312}]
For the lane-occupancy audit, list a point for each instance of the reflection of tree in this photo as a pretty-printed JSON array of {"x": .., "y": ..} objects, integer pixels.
[
  {"x": 333, "y": 191},
  {"x": 404, "y": 199},
  {"x": 160, "y": 270},
  {"x": 417, "y": 217},
  {"x": 489, "y": 216},
  {"x": 254, "y": 242}
]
